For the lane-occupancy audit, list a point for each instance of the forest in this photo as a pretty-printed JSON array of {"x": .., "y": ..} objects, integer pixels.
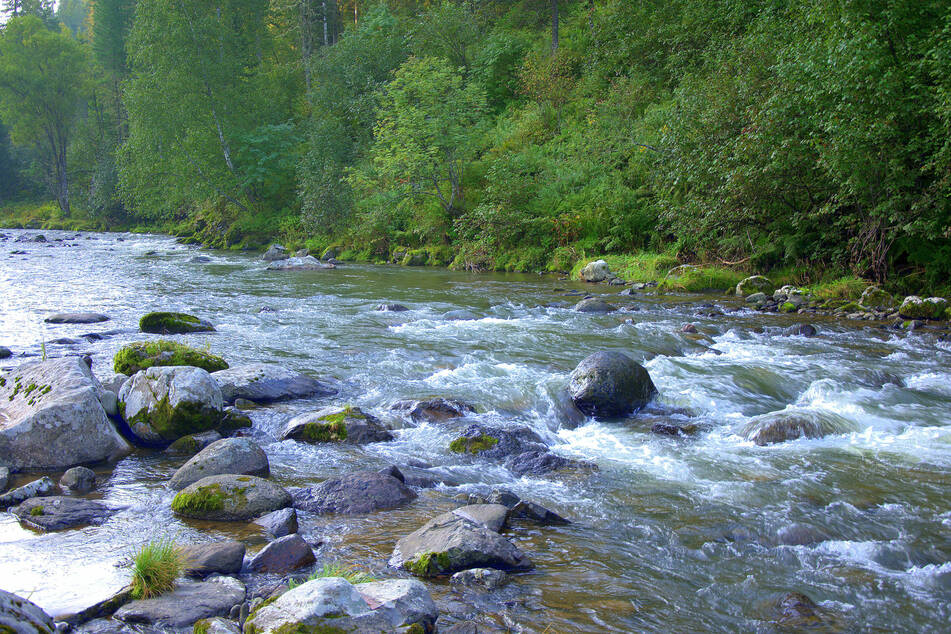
[{"x": 806, "y": 136}]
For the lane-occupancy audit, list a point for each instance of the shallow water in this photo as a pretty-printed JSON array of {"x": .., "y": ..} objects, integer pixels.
[{"x": 671, "y": 534}]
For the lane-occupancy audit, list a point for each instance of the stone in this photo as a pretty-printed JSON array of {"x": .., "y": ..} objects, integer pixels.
[
  {"x": 239, "y": 456},
  {"x": 403, "y": 602},
  {"x": 503, "y": 497},
  {"x": 492, "y": 516},
  {"x": 5, "y": 353},
  {"x": 914, "y": 307},
  {"x": 799, "y": 535},
  {"x": 279, "y": 523},
  {"x": 301, "y": 253},
  {"x": 283, "y": 555},
  {"x": 594, "y": 305},
  {"x": 796, "y": 610},
  {"x": 217, "y": 625},
  {"x": 610, "y": 384},
  {"x": 4, "y": 478},
  {"x": 113, "y": 381},
  {"x": 782, "y": 426},
  {"x": 187, "y": 603},
  {"x": 391, "y": 308},
  {"x": 308, "y": 263},
  {"x": 755, "y": 284},
  {"x": 336, "y": 424},
  {"x": 689, "y": 329},
  {"x": 800, "y": 330},
  {"x": 266, "y": 383},
  {"x": 496, "y": 443},
  {"x": 230, "y": 498},
  {"x": 434, "y": 410},
  {"x": 596, "y": 271},
  {"x": 76, "y": 318},
  {"x": 486, "y": 578},
  {"x": 51, "y": 417},
  {"x": 672, "y": 429},
  {"x": 193, "y": 443},
  {"x": 354, "y": 493},
  {"x": 224, "y": 557},
  {"x": 98, "y": 610},
  {"x": 756, "y": 298},
  {"x": 449, "y": 543},
  {"x": 38, "y": 488},
  {"x": 56, "y": 513},
  {"x": 162, "y": 404},
  {"x": 79, "y": 480},
  {"x": 537, "y": 513},
  {"x": 275, "y": 252},
  {"x": 22, "y": 616},
  {"x": 166, "y": 323},
  {"x": 200, "y": 259},
  {"x": 139, "y": 355},
  {"x": 536, "y": 463},
  {"x": 245, "y": 404},
  {"x": 232, "y": 421}
]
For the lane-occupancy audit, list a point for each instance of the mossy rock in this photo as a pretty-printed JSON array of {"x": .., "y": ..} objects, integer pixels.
[
  {"x": 755, "y": 284},
  {"x": 788, "y": 307},
  {"x": 473, "y": 445},
  {"x": 163, "y": 323},
  {"x": 875, "y": 298},
  {"x": 430, "y": 564},
  {"x": 915, "y": 307},
  {"x": 140, "y": 355},
  {"x": 162, "y": 404},
  {"x": 230, "y": 498},
  {"x": 850, "y": 307},
  {"x": 336, "y": 425},
  {"x": 415, "y": 257},
  {"x": 233, "y": 420}
]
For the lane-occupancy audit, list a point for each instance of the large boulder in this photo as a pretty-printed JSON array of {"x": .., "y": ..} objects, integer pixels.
[
  {"x": 76, "y": 318},
  {"x": 782, "y": 426},
  {"x": 187, "y": 603},
  {"x": 162, "y": 404},
  {"x": 283, "y": 555},
  {"x": 224, "y": 558},
  {"x": 403, "y": 602},
  {"x": 875, "y": 298},
  {"x": 268, "y": 382},
  {"x": 537, "y": 463},
  {"x": 308, "y": 263},
  {"x": 276, "y": 252},
  {"x": 239, "y": 456},
  {"x": 52, "y": 417},
  {"x": 134, "y": 357},
  {"x": 355, "y": 493},
  {"x": 22, "y": 616},
  {"x": 452, "y": 542},
  {"x": 434, "y": 410},
  {"x": 336, "y": 424},
  {"x": 915, "y": 307},
  {"x": 755, "y": 284},
  {"x": 230, "y": 498},
  {"x": 165, "y": 323},
  {"x": 596, "y": 271},
  {"x": 56, "y": 513},
  {"x": 610, "y": 384}
]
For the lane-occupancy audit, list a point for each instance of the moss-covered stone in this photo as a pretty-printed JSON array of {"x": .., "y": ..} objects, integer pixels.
[
  {"x": 755, "y": 284},
  {"x": 429, "y": 564},
  {"x": 474, "y": 444},
  {"x": 415, "y": 257},
  {"x": 231, "y": 421},
  {"x": 334, "y": 431},
  {"x": 140, "y": 355},
  {"x": 915, "y": 307},
  {"x": 171, "y": 423},
  {"x": 163, "y": 323},
  {"x": 200, "y": 627},
  {"x": 788, "y": 307},
  {"x": 874, "y": 297},
  {"x": 36, "y": 510},
  {"x": 204, "y": 499}
]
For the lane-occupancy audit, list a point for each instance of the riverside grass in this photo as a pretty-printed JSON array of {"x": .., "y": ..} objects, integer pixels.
[{"x": 155, "y": 568}]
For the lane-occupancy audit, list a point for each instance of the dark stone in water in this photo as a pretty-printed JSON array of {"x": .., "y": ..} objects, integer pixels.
[
  {"x": 79, "y": 480},
  {"x": 224, "y": 558},
  {"x": 279, "y": 523},
  {"x": 795, "y": 609},
  {"x": 5, "y": 353},
  {"x": 669, "y": 429},
  {"x": 497, "y": 443},
  {"x": 392, "y": 308},
  {"x": 689, "y": 329},
  {"x": 434, "y": 410},
  {"x": 542, "y": 462},
  {"x": 610, "y": 384},
  {"x": 799, "y": 535},
  {"x": 187, "y": 603},
  {"x": 56, "y": 513},
  {"x": 355, "y": 493},
  {"x": 76, "y": 318},
  {"x": 537, "y": 513},
  {"x": 801, "y": 330},
  {"x": 283, "y": 555}
]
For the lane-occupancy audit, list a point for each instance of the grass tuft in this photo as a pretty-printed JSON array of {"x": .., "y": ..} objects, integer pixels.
[
  {"x": 155, "y": 567},
  {"x": 337, "y": 569}
]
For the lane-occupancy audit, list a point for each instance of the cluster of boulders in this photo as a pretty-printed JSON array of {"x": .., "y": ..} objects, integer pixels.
[{"x": 280, "y": 259}]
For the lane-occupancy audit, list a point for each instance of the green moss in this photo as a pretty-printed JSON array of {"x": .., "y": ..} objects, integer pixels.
[
  {"x": 788, "y": 307},
  {"x": 173, "y": 423},
  {"x": 415, "y": 257},
  {"x": 326, "y": 432},
  {"x": 185, "y": 445},
  {"x": 36, "y": 511},
  {"x": 429, "y": 564},
  {"x": 145, "y": 354},
  {"x": 850, "y": 307},
  {"x": 162, "y": 323},
  {"x": 204, "y": 499},
  {"x": 200, "y": 627},
  {"x": 232, "y": 421},
  {"x": 473, "y": 445},
  {"x": 699, "y": 279},
  {"x": 415, "y": 628}
]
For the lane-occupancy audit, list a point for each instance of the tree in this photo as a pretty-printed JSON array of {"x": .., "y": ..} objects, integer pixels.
[
  {"x": 43, "y": 76},
  {"x": 43, "y": 9}
]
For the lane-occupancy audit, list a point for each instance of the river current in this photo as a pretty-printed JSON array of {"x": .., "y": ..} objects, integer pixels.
[{"x": 671, "y": 534}]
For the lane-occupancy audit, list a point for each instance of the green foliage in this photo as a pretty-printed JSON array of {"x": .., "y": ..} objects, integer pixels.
[
  {"x": 474, "y": 445},
  {"x": 155, "y": 568},
  {"x": 134, "y": 357},
  {"x": 204, "y": 499},
  {"x": 337, "y": 569}
]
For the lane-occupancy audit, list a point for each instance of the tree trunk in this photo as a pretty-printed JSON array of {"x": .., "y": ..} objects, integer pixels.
[
  {"x": 554, "y": 26},
  {"x": 306, "y": 41},
  {"x": 62, "y": 178},
  {"x": 326, "y": 41}
]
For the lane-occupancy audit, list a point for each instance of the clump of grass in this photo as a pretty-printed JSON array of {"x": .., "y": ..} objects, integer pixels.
[
  {"x": 155, "y": 567},
  {"x": 337, "y": 569},
  {"x": 848, "y": 287}
]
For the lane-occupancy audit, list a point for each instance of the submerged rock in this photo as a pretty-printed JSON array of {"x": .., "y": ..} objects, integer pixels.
[
  {"x": 283, "y": 555},
  {"x": 162, "y": 404},
  {"x": 801, "y": 330},
  {"x": 795, "y": 609},
  {"x": 165, "y": 323},
  {"x": 336, "y": 424},
  {"x": 52, "y": 417},
  {"x": 267, "y": 382},
  {"x": 434, "y": 410},
  {"x": 596, "y": 271},
  {"x": 239, "y": 456},
  {"x": 594, "y": 305},
  {"x": 610, "y": 384},
  {"x": 193, "y": 443},
  {"x": 536, "y": 463},
  {"x": 22, "y": 616},
  {"x": 230, "y": 498},
  {"x": 79, "y": 480},
  {"x": 355, "y": 493},
  {"x": 224, "y": 557},
  {"x": 755, "y": 284},
  {"x": 308, "y": 263},
  {"x": 279, "y": 523},
  {"x": 187, "y": 603},
  {"x": 56, "y": 513},
  {"x": 782, "y": 426},
  {"x": 76, "y": 318}
]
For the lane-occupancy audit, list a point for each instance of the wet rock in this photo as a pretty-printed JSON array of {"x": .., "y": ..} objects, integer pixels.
[
  {"x": 355, "y": 493},
  {"x": 57, "y": 513},
  {"x": 755, "y": 284},
  {"x": 225, "y": 557},
  {"x": 392, "y": 308},
  {"x": 496, "y": 443},
  {"x": 279, "y": 523},
  {"x": 187, "y": 603},
  {"x": 492, "y": 516},
  {"x": 756, "y": 298},
  {"x": 610, "y": 384},
  {"x": 449, "y": 543},
  {"x": 139, "y": 355},
  {"x": 486, "y": 578},
  {"x": 670, "y": 429},
  {"x": 53, "y": 417},
  {"x": 233, "y": 420},
  {"x": 336, "y": 424},
  {"x": 5, "y": 353},
  {"x": 914, "y": 307},
  {"x": 537, "y": 513},
  {"x": 594, "y": 305},
  {"x": 239, "y": 456},
  {"x": 162, "y": 404},
  {"x": 65, "y": 341},
  {"x": 688, "y": 329},
  {"x": 99, "y": 610},
  {"x": 21, "y": 616},
  {"x": 216, "y": 625},
  {"x": 875, "y": 298},
  {"x": 275, "y": 252},
  {"x": 266, "y": 383},
  {"x": 283, "y": 555},
  {"x": 112, "y": 381},
  {"x": 596, "y": 271},
  {"x": 402, "y": 602},
  {"x": 308, "y": 263},
  {"x": 795, "y": 609},
  {"x": 200, "y": 259},
  {"x": 193, "y": 443},
  {"x": 79, "y": 480},
  {"x": 503, "y": 497},
  {"x": 537, "y": 463},
  {"x": 460, "y": 315},
  {"x": 801, "y": 330},
  {"x": 165, "y": 323},
  {"x": 782, "y": 426},
  {"x": 434, "y": 410},
  {"x": 230, "y": 498},
  {"x": 76, "y": 318},
  {"x": 38, "y": 488},
  {"x": 799, "y": 535},
  {"x": 4, "y": 478}
]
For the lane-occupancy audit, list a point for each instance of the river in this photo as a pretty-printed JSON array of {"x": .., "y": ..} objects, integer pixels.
[{"x": 671, "y": 534}]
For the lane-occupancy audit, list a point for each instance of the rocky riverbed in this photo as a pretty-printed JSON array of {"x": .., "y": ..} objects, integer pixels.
[{"x": 499, "y": 452}]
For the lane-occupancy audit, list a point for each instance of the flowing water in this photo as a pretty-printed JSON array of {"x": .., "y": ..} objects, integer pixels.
[{"x": 671, "y": 534}]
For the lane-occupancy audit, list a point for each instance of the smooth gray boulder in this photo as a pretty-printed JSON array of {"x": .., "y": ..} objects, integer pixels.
[
  {"x": 38, "y": 488},
  {"x": 230, "y": 498},
  {"x": 402, "y": 602},
  {"x": 487, "y": 578},
  {"x": 355, "y": 493},
  {"x": 307, "y": 263},
  {"x": 5, "y": 353},
  {"x": 275, "y": 252},
  {"x": 492, "y": 516},
  {"x": 267, "y": 382},
  {"x": 279, "y": 523},
  {"x": 449, "y": 543},
  {"x": 610, "y": 384},
  {"x": 22, "y": 616},
  {"x": 51, "y": 417},
  {"x": 79, "y": 480},
  {"x": 189, "y": 602},
  {"x": 239, "y": 456},
  {"x": 283, "y": 555},
  {"x": 57, "y": 513},
  {"x": 224, "y": 557},
  {"x": 596, "y": 271},
  {"x": 163, "y": 403},
  {"x": 594, "y": 305},
  {"x": 76, "y": 318},
  {"x": 336, "y": 424}
]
